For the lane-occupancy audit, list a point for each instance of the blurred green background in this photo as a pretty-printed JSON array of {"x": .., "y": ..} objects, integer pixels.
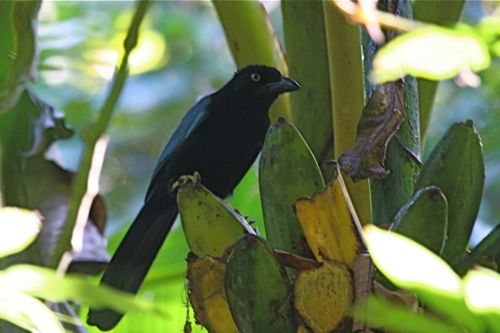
[{"x": 181, "y": 56}]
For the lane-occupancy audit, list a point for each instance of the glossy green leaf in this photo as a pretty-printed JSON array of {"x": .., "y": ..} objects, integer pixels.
[
  {"x": 433, "y": 53},
  {"x": 424, "y": 219},
  {"x": 456, "y": 166},
  {"x": 287, "y": 172},
  {"x": 257, "y": 288},
  {"x": 18, "y": 228}
]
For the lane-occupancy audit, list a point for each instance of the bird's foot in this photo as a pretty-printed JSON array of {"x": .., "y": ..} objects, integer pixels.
[{"x": 186, "y": 180}]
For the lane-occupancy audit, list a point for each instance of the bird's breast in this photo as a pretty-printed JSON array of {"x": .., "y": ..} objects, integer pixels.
[{"x": 221, "y": 150}]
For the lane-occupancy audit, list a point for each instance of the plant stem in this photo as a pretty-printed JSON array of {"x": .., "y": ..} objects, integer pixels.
[
  {"x": 346, "y": 77},
  {"x": 81, "y": 190},
  {"x": 251, "y": 39}
]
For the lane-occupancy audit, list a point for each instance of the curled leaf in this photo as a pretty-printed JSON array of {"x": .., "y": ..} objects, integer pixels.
[{"x": 381, "y": 118}]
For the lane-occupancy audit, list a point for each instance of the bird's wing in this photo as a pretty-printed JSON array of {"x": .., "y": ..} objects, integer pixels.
[{"x": 193, "y": 118}]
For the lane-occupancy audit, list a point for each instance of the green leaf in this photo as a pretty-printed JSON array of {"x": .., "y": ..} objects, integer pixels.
[
  {"x": 287, "y": 172},
  {"x": 257, "y": 288},
  {"x": 482, "y": 295},
  {"x": 488, "y": 247},
  {"x": 433, "y": 53},
  {"x": 443, "y": 12},
  {"x": 17, "y": 48},
  {"x": 47, "y": 284},
  {"x": 18, "y": 228},
  {"x": 311, "y": 106},
  {"x": 425, "y": 219},
  {"x": 411, "y": 266},
  {"x": 210, "y": 225},
  {"x": 380, "y": 313},
  {"x": 456, "y": 166},
  {"x": 27, "y": 312}
]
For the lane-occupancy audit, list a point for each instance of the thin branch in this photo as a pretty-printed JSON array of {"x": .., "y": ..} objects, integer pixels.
[
  {"x": 358, "y": 14},
  {"x": 80, "y": 187}
]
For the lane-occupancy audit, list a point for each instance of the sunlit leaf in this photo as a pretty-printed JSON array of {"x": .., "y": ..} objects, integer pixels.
[
  {"x": 18, "y": 228},
  {"x": 434, "y": 53},
  {"x": 408, "y": 264},
  {"x": 482, "y": 294},
  {"x": 45, "y": 283},
  {"x": 411, "y": 266},
  {"x": 378, "y": 312},
  {"x": 27, "y": 312}
]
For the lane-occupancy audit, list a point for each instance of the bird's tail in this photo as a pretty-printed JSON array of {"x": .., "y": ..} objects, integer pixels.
[{"x": 135, "y": 255}]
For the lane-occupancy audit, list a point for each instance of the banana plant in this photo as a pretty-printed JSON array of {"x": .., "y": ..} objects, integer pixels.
[
  {"x": 301, "y": 272},
  {"x": 362, "y": 105}
]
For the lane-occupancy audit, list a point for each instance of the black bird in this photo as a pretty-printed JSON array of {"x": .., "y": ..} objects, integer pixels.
[{"x": 219, "y": 137}]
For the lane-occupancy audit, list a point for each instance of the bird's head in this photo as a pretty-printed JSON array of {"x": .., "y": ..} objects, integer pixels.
[{"x": 260, "y": 81}]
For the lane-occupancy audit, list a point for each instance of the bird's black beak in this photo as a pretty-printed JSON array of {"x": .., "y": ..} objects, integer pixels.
[{"x": 283, "y": 85}]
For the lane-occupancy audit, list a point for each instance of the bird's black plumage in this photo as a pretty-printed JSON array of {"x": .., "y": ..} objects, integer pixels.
[{"x": 219, "y": 138}]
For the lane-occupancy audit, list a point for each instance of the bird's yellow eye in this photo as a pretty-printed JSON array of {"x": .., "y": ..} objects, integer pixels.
[{"x": 255, "y": 77}]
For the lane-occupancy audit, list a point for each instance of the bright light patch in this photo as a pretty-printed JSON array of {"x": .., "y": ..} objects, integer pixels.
[
  {"x": 408, "y": 264},
  {"x": 149, "y": 54},
  {"x": 58, "y": 70},
  {"x": 18, "y": 228},
  {"x": 433, "y": 53},
  {"x": 482, "y": 291}
]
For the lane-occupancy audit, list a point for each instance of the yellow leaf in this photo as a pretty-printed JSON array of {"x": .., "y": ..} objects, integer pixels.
[
  {"x": 330, "y": 224},
  {"x": 207, "y": 295},
  {"x": 323, "y": 296}
]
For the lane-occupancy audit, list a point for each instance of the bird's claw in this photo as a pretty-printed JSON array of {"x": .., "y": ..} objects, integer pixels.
[{"x": 186, "y": 180}]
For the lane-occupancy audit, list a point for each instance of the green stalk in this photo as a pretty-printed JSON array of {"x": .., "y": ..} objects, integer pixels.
[
  {"x": 443, "y": 12},
  {"x": 80, "y": 187},
  {"x": 251, "y": 39},
  {"x": 403, "y": 152},
  {"x": 346, "y": 76},
  {"x": 18, "y": 51},
  {"x": 311, "y": 106}
]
